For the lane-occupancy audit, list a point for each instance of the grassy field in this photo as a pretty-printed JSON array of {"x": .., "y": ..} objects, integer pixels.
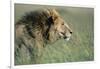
[{"x": 81, "y": 45}]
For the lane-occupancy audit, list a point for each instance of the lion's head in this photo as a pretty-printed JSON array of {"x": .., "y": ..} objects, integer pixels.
[
  {"x": 48, "y": 23},
  {"x": 58, "y": 27}
]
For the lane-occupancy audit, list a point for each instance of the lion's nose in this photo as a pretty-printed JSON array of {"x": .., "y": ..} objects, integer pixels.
[{"x": 71, "y": 32}]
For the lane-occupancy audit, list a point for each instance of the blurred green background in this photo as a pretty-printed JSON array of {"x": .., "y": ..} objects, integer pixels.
[{"x": 81, "y": 45}]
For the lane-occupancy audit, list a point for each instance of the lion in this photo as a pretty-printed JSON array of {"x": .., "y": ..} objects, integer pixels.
[{"x": 36, "y": 29}]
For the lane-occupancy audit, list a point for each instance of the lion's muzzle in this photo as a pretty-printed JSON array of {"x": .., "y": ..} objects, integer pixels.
[{"x": 65, "y": 35}]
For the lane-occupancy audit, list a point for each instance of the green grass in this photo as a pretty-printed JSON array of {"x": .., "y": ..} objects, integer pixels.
[{"x": 81, "y": 45}]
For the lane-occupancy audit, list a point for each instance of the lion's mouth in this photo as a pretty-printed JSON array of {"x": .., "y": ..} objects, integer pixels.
[{"x": 66, "y": 37}]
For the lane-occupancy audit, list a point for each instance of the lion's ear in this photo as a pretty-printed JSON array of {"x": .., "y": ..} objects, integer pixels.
[{"x": 50, "y": 19}]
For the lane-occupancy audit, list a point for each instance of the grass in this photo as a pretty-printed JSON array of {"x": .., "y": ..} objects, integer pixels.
[{"x": 81, "y": 45}]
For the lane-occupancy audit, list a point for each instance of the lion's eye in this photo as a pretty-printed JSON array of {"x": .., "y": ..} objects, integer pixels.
[{"x": 62, "y": 23}]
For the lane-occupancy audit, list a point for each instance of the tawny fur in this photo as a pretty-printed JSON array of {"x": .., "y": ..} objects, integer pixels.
[{"x": 34, "y": 30}]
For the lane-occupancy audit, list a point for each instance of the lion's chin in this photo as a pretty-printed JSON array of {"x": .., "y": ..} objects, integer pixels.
[{"x": 66, "y": 38}]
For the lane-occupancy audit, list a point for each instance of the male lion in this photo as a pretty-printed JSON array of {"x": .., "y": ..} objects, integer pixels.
[{"x": 34, "y": 30}]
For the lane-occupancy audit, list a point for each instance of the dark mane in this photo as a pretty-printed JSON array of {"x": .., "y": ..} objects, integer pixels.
[
  {"x": 33, "y": 17},
  {"x": 38, "y": 19}
]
